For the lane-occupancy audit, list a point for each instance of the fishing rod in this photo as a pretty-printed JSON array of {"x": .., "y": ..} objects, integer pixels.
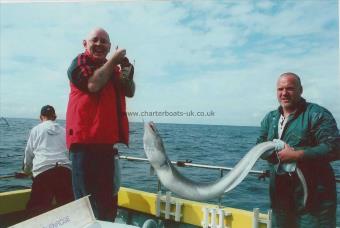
[
  {"x": 18, "y": 175},
  {"x": 4, "y": 120},
  {"x": 7, "y": 176},
  {"x": 188, "y": 163}
]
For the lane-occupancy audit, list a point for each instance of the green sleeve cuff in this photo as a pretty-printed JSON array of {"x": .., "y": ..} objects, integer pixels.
[{"x": 316, "y": 152}]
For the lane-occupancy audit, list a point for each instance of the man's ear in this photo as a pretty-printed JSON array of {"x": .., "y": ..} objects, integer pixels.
[{"x": 84, "y": 43}]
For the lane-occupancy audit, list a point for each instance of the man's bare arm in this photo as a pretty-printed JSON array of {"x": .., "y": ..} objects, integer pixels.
[{"x": 103, "y": 74}]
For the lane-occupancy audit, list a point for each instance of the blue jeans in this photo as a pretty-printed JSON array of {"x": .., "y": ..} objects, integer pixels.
[{"x": 92, "y": 174}]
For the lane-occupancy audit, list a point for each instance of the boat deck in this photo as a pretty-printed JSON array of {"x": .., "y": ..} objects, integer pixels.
[{"x": 139, "y": 205}]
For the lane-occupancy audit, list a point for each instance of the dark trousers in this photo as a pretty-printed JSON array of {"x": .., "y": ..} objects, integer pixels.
[
  {"x": 92, "y": 174},
  {"x": 53, "y": 183},
  {"x": 288, "y": 210}
]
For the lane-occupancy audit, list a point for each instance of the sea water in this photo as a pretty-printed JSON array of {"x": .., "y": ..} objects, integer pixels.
[{"x": 201, "y": 144}]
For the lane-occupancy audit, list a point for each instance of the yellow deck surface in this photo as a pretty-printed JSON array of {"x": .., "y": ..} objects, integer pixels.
[{"x": 144, "y": 202}]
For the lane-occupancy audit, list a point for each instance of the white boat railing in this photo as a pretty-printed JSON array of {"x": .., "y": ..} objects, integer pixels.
[{"x": 188, "y": 163}]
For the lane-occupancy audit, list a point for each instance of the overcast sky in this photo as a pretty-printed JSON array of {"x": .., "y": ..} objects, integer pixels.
[{"x": 199, "y": 56}]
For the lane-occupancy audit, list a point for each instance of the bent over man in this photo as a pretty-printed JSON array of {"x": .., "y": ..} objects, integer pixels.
[{"x": 47, "y": 158}]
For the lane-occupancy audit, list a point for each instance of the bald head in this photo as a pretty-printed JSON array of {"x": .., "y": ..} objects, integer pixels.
[
  {"x": 97, "y": 44},
  {"x": 98, "y": 31}
]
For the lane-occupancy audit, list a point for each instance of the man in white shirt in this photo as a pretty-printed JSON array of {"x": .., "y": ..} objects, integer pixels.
[{"x": 47, "y": 159}]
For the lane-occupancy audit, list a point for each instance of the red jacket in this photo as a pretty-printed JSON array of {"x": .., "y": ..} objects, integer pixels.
[{"x": 95, "y": 118}]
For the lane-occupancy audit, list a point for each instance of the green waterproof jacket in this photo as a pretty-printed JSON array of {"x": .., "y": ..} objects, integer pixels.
[{"x": 313, "y": 129}]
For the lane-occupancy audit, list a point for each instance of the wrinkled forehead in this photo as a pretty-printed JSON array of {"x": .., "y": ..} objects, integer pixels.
[
  {"x": 98, "y": 33},
  {"x": 288, "y": 80}
]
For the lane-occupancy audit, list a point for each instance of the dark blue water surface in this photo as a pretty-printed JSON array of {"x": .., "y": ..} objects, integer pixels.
[{"x": 203, "y": 144}]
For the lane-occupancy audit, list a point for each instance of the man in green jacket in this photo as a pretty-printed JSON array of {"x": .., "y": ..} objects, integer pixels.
[{"x": 302, "y": 182}]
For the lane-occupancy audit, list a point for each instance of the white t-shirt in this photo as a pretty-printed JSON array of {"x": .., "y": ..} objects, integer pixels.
[
  {"x": 281, "y": 125},
  {"x": 285, "y": 167}
]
